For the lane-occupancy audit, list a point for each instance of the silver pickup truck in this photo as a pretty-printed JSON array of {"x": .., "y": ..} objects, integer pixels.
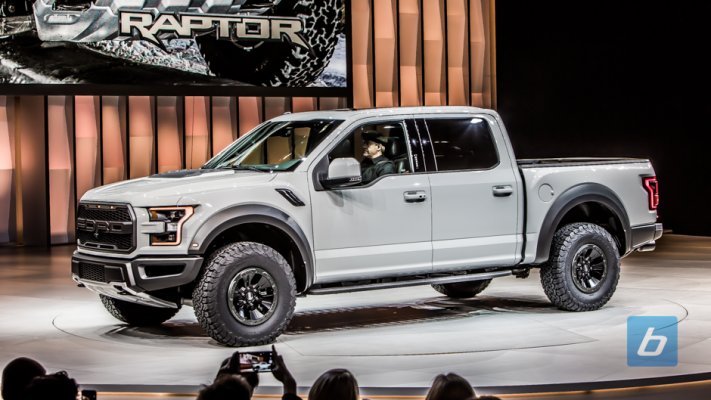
[{"x": 285, "y": 211}]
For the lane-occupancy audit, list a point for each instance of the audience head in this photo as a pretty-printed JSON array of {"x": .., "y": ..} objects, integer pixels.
[
  {"x": 450, "y": 387},
  {"x": 335, "y": 384},
  {"x": 57, "y": 386},
  {"x": 227, "y": 387},
  {"x": 17, "y": 375},
  {"x": 231, "y": 366}
]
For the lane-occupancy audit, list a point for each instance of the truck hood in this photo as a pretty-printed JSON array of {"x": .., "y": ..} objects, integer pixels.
[{"x": 168, "y": 188}]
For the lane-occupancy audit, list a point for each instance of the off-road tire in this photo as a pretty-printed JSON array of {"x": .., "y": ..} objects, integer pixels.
[
  {"x": 462, "y": 290},
  {"x": 137, "y": 314},
  {"x": 281, "y": 63},
  {"x": 557, "y": 272},
  {"x": 210, "y": 297}
]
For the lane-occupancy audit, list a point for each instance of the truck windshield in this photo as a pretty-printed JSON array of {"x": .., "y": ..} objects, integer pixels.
[{"x": 274, "y": 145}]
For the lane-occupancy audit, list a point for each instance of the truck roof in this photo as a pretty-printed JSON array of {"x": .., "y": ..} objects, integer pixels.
[{"x": 369, "y": 112}]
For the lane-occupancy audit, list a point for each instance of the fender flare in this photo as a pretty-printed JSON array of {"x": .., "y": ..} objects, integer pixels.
[
  {"x": 574, "y": 196},
  {"x": 255, "y": 213}
]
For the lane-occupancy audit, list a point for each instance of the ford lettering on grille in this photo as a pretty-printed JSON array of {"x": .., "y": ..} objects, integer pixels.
[{"x": 105, "y": 227}]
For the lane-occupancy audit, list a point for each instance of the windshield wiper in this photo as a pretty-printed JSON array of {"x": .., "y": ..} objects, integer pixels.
[{"x": 246, "y": 168}]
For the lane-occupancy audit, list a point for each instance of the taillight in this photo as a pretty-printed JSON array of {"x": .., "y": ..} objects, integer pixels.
[{"x": 652, "y": 186}]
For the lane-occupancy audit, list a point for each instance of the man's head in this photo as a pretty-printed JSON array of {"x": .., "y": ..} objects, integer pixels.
[
  {"x": 373, "y": 144},
  {"x": 17, "y": 375},
  {"x": 227, "y": 387}
]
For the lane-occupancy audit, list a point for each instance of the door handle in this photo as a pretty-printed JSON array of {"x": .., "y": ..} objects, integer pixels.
[
  {"x": 415, "y": 196},
  {"x": 502, "y": 191}
]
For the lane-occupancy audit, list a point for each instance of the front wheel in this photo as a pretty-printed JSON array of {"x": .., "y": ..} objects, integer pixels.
[
  {"x": 583, "y": 269},
  {"x": 246, "y": 295}
]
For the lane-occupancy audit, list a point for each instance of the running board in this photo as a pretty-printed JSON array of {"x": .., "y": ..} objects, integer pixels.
[{"x": 411, "y": 282}]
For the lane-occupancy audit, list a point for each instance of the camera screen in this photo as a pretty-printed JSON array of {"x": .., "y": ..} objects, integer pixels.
[{"x": 256, "y": 361}]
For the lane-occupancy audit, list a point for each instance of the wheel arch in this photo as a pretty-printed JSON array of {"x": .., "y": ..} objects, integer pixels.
[
  {"x": 262, "y": 224},
  {"x": 587, "y": 202}
]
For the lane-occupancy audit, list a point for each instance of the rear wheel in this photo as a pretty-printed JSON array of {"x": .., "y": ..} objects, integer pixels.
[
  {"x": 583, "y": 269},
  {"x": 462, "y": 290},
  {"x": 137, "y": 314}
]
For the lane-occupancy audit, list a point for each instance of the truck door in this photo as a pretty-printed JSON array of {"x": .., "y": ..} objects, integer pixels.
[
  {"x": 474, "y": 192},
  {"x": 377, "y": 229}
]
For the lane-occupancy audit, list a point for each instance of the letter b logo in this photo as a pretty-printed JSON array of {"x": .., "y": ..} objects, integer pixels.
[{"x": 652, "y": 342}]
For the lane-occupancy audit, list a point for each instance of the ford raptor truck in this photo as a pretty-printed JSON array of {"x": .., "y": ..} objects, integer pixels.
[{"x": 283, "y": 212}]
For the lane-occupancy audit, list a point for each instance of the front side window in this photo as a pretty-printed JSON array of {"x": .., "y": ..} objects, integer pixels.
[
  {"x": 275, "y": 145},
  {"x": 462, "y": 144},
  {"x": 380, "y": 148}
]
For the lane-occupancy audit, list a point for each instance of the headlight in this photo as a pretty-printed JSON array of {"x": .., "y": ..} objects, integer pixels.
[{"x": 173, "y": 218}]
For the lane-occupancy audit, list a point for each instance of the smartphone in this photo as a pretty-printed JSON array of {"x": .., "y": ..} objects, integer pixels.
[
  {"x": 88, "y": 395},
  {"x": 256, "y": 361}
]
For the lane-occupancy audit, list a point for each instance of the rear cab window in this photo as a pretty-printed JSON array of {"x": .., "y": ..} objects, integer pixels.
[{"x": 461, "y": 144}]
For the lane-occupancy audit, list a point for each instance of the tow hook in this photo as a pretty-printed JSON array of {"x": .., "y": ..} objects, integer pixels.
[{"x": 522, "y": 273}]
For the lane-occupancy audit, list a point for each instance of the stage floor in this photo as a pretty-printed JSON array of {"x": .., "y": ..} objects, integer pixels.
[{"x": 402, "y": 338}]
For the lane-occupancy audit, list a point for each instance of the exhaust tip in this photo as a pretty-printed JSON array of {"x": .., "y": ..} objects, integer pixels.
[{"x": 647, "y": 247}]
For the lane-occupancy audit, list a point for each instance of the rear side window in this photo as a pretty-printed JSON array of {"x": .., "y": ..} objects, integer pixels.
[{"x": 462, "y": 144}]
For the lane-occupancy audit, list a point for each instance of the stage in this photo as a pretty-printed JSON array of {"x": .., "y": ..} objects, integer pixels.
[{"x": 508, "y": 340}]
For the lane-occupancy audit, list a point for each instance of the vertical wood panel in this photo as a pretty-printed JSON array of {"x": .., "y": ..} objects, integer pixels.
[
  {"x": 301, "y": 104},
  {"x": 410, "y": 53},
  {"x": 386, "y": 69},
  {"x": 332, "y": 103},
  {"x": 86, "y": 129},
  {"x": 7, "y": 169},
  {"x": 362, "y": 50},
  {"x": 113, "y": 138},
  {"x": 60, "y": 132},
  {"x": 33, "y": 170},
  {"x": 457, "y": 53},
  {"x": 197, "y": 131},
  {"x": 224, "y": 122},
  {"x": 275, "y": 106},
  {"x": 142, "y": 131},
  {"x": 250, "y": 113},
  {"x": 434, "y": 52},
  {"x": 170, "y": 133},
  {"x": 479, "y": 60}
]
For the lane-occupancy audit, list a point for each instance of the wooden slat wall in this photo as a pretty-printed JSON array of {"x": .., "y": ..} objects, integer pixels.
[{"x": 415, "y": 52}]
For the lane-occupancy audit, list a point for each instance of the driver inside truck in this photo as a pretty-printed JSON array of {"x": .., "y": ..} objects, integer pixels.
[{"x": 374, "y": 163}]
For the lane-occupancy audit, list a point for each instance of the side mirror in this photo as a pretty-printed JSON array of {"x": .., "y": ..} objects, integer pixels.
[{"x": 342, "y": 172}]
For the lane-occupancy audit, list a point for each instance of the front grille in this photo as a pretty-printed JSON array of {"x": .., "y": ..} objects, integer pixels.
[
  {"x": 107, "y": 227},
  {"x": 92, "y": 272}
]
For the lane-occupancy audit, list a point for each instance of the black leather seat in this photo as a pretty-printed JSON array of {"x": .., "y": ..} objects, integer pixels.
[{"x": 397, "y": 153}]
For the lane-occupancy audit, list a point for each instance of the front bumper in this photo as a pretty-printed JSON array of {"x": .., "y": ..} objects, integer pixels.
[
  {"x": 131, "y": 280},
  {"x": 644, "y": 236}
]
